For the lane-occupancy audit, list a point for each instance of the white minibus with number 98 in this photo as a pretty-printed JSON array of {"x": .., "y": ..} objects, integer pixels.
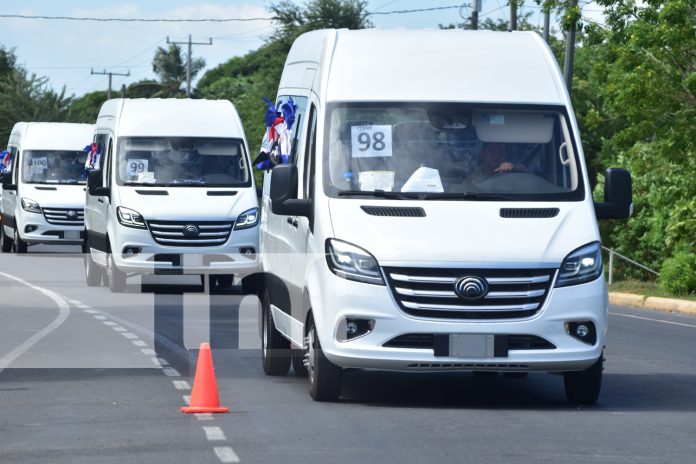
[
  {"x": 435, "y": 215},
  {"x": 170, "y": 191}
]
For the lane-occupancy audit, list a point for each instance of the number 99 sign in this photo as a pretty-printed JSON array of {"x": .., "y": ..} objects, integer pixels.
[
  {"x": 136, "y": 166},
  {"x": 371, "y": 141}
]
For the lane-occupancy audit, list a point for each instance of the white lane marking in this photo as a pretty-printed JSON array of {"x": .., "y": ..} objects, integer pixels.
[
  {"x": 181, "y": 385},
  {"x": 171, "y": 372},
  {"x": 63, "y": 313},
  {"x": 163, "y": 361},
  {"x": 91, "y": 311},
  {"x": 204, "y": 416},
  {"x": 109, "y": 323},
  {"x": 214, "y": 433},
  {"x": 79, "y": 304},
  {"x": 147, "y": 352},
  {"x": 119, "y": 328},
  {"x": 654, "y": 320},
  {"x": 130, "y": 336},
  {"x": 99, "y": 318},
  {"x": 138, "y": 342},
  {"x": 225, "y": 454},
  {"x": 187, "y": 399},
  {"x": 155, "y": 361}
]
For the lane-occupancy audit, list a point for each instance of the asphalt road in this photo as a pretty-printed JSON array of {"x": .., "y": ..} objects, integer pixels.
[{"x": 87, "y": 376}]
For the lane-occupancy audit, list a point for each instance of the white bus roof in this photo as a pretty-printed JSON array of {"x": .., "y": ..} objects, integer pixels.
[
  {"x": 433, "y": 65},
  {"x": 52, "y": 135},
  {"x": 168, "y": 117}
]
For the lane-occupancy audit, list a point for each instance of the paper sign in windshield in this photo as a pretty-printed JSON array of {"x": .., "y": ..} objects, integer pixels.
[
  {"x": 136, "y": 166},
  {"x": 39, "y": 165},
  {"x": 424, "y": 180},
  {"x": 376, "y": 180},
  {"x": 369, "y": 141}
]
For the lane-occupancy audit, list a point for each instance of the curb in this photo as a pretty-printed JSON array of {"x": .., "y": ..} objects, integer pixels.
[{"x": 653, "y": 302}]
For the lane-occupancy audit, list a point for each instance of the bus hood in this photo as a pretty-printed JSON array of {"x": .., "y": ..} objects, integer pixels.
[
  {"x": 465, "y": 233},
  {"x": 187, "y": 203}
]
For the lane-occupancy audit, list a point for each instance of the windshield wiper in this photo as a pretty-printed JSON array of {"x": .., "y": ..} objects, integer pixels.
[
  {"x": 380, "y": 194},
  {"x": 468, "y": 196}
]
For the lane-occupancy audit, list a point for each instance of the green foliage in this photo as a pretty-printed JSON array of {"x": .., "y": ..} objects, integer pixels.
[
  {"x": 634, "y": 96},
  {"x": 170, "y": 66},
  {"x": 86, "y": 108},
  {"x": 25, "y": 97},
  {"x": 678, "y": 274}
]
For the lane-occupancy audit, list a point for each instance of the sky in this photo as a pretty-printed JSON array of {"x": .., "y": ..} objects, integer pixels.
[{"x": 66, "y": 51}]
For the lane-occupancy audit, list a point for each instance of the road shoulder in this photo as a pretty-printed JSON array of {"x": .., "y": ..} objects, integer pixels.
[{"x": 653, "y": 302}]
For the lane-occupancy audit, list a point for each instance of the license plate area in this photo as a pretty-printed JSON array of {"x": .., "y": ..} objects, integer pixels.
[
  {"x": 71, "y": 235},
  {"x": 470, "y": 345}
]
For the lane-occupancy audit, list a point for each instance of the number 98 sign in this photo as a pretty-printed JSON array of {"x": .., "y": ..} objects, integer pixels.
[{"x": 371, "y": 141}]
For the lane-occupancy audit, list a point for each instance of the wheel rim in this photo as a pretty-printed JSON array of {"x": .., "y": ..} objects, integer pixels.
[
  {"x": 310, "y": 355},
  {"x": 15, "y": 242},
  {"x": 107, "y": 271}
]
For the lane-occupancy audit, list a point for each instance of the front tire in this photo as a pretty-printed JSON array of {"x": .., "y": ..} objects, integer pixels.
[
  {"x": 19, "y": 245},
  {"x": 275, "y": 349},
  {"x": 5, "y": 241},
  {"x": 116, "y": 279},
  {"x": 298, "y": 363},
  {"x": 583, "y": 387},
  {"x": 324, "y": 378},
  {"x": 93, "y": 273}
]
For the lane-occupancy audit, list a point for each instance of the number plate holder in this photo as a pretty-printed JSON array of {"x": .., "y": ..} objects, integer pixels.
[
  {"x": 71, "y": 235},
  {"x": 470, "y": 345}
]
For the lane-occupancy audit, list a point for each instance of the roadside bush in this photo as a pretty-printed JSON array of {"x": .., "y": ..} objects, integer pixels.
[{"x": 678, "y": 274}]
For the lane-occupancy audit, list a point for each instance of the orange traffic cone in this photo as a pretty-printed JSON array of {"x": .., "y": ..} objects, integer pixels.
[{"x": 204, "y": 397}]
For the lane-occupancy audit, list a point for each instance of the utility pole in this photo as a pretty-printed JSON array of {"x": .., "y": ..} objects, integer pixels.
[
  {"x": 110, "y": 74},
  {"x": 188, "y": 59},
  {"x": 476, "y": 8},
  {"x": 570, "y": 50},
  {"x": 513, "y": 15},
  {"x": 547, "y": 23}
]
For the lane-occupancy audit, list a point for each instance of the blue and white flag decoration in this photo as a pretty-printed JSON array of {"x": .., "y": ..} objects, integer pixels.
[
  {"x": 6, "y": 163},
  {"x": 276, "y": 146},
  {"x": 94, "y": 152}
]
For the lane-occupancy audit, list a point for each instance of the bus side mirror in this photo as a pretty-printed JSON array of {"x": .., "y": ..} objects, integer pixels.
[
  {"x": 618, "y": 195},
  {"x": 94, "y": 184},
  {"x": 284, "y": 192},
  {"x": 7, "y": 182}
]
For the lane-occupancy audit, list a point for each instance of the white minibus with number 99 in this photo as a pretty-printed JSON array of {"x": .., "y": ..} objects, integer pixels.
[
  {"x": 435, "y": 215},
  {"x": 170, "y": 191}
]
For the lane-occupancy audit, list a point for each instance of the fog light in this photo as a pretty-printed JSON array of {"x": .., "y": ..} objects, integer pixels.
[
  {"x": 582, "y": 330},
  {"x": 352, "y": 328},
  {"x": 248, "y": 252},
  {"x": 29, "y": 229},
  {"x": 129, "y": 251}
]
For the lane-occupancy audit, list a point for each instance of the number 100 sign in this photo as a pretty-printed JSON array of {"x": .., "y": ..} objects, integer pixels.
[{"x": 371, "y": 141}]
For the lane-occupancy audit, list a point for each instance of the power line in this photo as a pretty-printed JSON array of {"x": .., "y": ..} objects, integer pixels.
[
  {"x": 205, "y": 20},
  {"x": 135, "y": 20},
  {"x": 188, "y": 59}
]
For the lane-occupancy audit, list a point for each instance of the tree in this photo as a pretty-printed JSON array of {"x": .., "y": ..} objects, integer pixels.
[
  {"x": 170, "y": 67},
  {"x": 25, "y": 97}
]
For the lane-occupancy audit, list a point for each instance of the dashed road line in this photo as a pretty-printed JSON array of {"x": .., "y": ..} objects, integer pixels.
[
  {"x": 225, "y": 454},
  {"x": 213, "y": 433},
  {"x": 181, "y": 384},
  {"x": 171, "y": 372}
]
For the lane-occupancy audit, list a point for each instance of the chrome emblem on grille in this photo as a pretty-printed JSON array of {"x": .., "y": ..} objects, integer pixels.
[
  {"x": 191, "y": 231},
  {"x": 71, "y": 214},
  {"x": 471, "y": 288}
]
